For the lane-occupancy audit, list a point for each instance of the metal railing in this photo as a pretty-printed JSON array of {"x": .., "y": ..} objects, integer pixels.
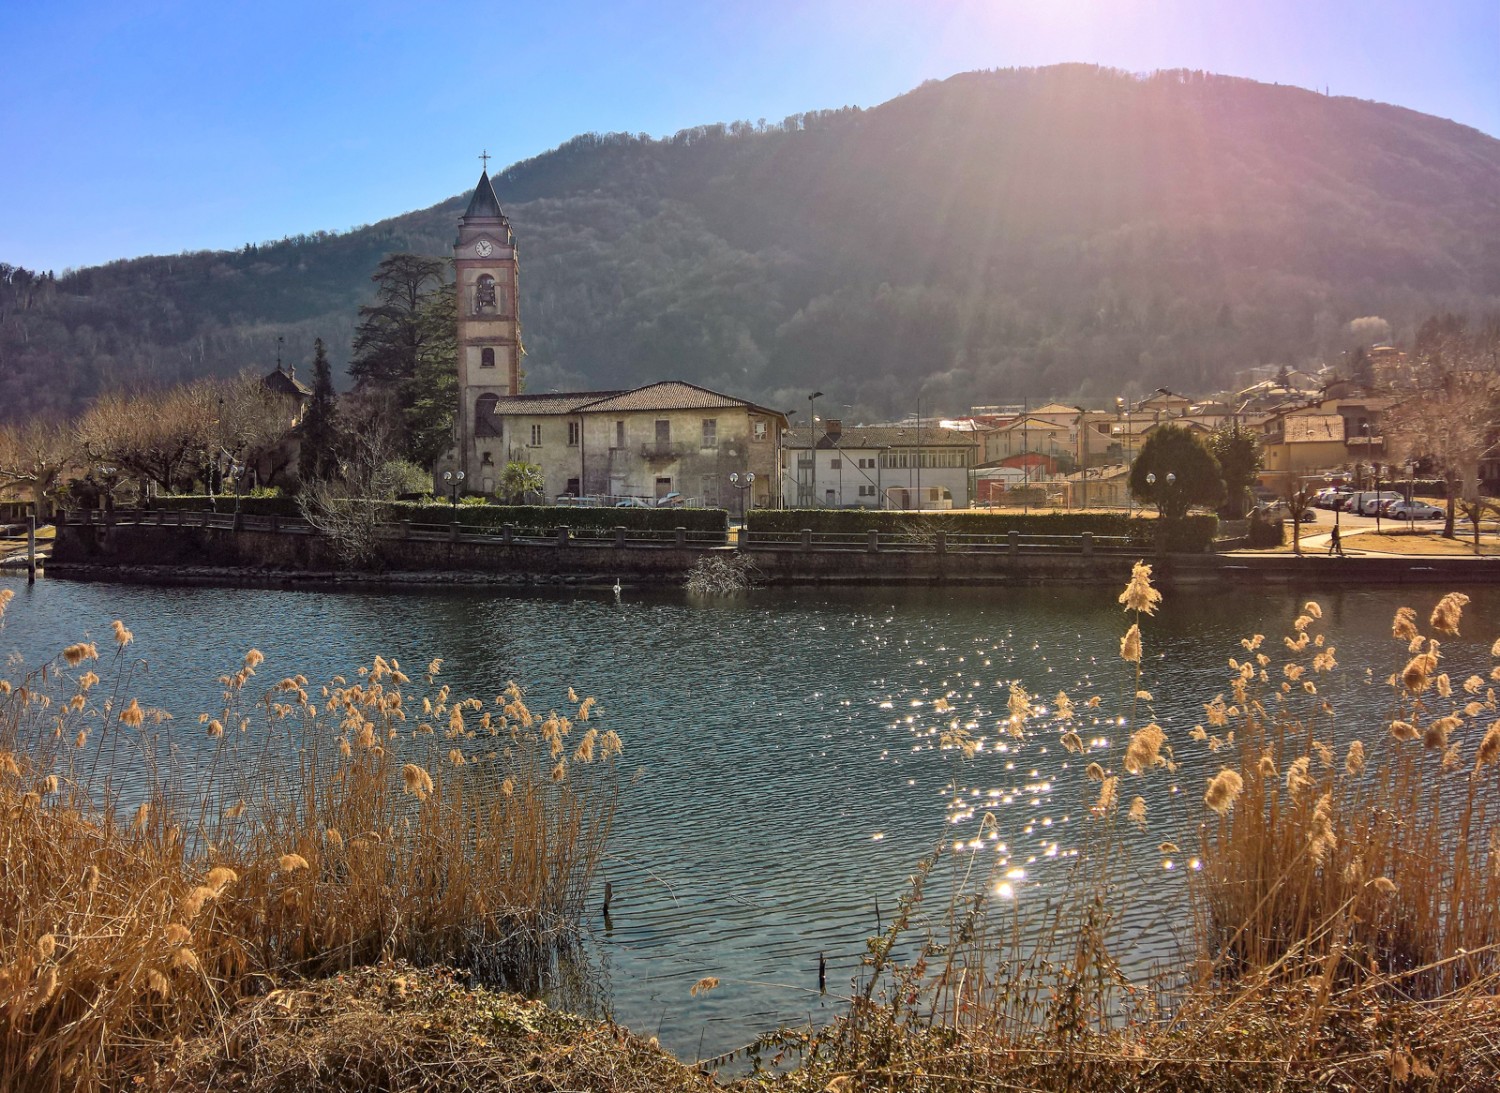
[{"x": 1010, "y": 543}]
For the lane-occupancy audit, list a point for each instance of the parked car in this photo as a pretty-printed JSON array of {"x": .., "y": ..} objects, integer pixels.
[
  {"x": 1331, "y": 496},
  {"x": 1413, "y": 510},
  {"x": 1370, "y": 502},
  {"x": 1280, "y": 510}
]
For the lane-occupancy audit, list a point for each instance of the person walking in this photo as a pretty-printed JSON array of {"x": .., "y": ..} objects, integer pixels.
[{"x": 1335, "y": 543}]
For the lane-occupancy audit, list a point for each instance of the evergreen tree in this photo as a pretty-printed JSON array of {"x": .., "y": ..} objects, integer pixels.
[
  {"x": 1240, "y": 461},
  {"x": 405, "y": 353},
  {"x": 316, "y": 457},
  {"x": 1195, "y": 477}
]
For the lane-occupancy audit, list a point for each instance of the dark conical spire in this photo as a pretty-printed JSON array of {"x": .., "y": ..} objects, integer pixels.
[{"x": 484, "y": 204}]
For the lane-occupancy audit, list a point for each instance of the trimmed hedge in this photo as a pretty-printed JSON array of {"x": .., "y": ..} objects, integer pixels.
[
  {"x": 527, "y": 519},
  {"x": 1195, "y": 534},
  {"x": 224, "y": 502}
]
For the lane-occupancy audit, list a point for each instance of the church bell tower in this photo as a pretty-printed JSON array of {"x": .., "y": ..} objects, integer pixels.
[{"x": 489, "y": 333}]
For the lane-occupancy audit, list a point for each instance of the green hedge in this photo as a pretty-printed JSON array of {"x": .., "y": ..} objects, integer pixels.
[
  {"x": 250, "y": 506},
  {"x": 1195, "y": 534},
  {"x": 527, "y": 519}
]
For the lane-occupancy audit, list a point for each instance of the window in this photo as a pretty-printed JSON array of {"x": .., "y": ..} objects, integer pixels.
[
  {"x": 486, "y": 421},
  {"x": 710, "y": 432},
  {"x": 709, "y": 490},
  {"x": 536, "y": 436},
  {"x": 804, "y": 461},
  {"x": 619, "y": 434},
  {"x": 758, "y": 430},
  {"x": 663, "y": 433},
  {"x": 835, "y": 464},
  {"x": 486, "y": 357},
  {"x": 573, "y": 490},
  {"x": 573, "y": 431},
  {"x": 867, "y": 491},
  {"x": 488, "y": 459}
]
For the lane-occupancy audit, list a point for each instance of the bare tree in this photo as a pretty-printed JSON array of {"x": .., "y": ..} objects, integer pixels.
[
  {"x": 1453, "y": 423},
  {"x": 34, "y": 456},
  {"x": 161, "y": 437}
]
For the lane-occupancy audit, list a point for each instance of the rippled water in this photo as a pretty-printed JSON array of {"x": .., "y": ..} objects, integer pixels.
[{"x": 785, "y": 747}]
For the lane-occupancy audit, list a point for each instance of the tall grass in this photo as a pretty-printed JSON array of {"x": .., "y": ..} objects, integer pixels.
[
  {"x": 151, "y": 880},
  {"x": 1342, "y": 906}
]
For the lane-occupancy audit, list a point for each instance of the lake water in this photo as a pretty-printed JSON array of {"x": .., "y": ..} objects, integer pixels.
[{"x": 787, "y": 769}]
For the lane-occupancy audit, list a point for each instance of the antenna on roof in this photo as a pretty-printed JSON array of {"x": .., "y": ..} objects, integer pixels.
[{"x": 278, "y": 352}]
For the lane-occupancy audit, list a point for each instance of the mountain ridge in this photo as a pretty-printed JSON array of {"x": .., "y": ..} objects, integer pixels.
[{"x": 1067, "y": 230}]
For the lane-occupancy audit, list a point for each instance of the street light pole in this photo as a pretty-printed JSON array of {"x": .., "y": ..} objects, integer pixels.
[
  {"x": 1083, "y": 448},
  {"x": 812, "y": 448},
  {"x": 919, "y": 449}
]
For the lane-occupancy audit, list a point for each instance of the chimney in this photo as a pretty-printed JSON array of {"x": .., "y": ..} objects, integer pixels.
[{"x": 833, "y": 427}]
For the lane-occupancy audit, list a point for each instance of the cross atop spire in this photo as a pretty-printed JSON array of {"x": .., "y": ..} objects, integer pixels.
[{"x": 484, "y": 158}]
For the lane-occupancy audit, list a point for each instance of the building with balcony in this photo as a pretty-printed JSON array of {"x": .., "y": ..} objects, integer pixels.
[{"x": 645, "y": 444}]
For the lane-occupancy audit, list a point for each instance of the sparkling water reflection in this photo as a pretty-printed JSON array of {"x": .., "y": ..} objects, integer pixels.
[{"x": 787, "y": 751}]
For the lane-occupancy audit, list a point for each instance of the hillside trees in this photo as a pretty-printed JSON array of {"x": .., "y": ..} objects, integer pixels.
[{"x": 404, "y": 350}]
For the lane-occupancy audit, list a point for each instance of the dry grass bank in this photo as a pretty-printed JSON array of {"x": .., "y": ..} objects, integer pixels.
[{"x": 158, "y": 872}]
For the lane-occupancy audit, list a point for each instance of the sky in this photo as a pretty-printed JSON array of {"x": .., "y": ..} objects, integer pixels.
[{"x": 139, "y": 127}]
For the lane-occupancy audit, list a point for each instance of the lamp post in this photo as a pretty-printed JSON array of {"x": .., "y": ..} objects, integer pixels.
[
  {"x": 454, "y": 481},
  {"x": 1083, "y": 456},
  {"x": 1338, "y": 503},
  {"x": 746, "y": 499},
  {"x": 919, "y": 449},
  {"x": 812, "y": 448},
  {"x": 1161, "y": 531}
]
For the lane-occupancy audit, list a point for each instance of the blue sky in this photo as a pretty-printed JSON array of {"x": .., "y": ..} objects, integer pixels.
[{"x": 157, "y": 126}]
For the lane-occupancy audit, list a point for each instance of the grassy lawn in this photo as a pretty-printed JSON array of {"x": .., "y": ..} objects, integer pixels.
[{"x": 1421, "y": 542}]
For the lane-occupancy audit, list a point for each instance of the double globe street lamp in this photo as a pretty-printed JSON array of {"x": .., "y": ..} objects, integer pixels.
[
  {"x": 454, "y": 480},
  {"x": 746, "y": 498}
]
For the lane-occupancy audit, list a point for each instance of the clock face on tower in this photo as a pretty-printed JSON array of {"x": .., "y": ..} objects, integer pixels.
[{"x": 483, "y": 248}]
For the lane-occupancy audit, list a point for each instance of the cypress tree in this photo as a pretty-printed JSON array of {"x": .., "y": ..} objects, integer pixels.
[{"x": 316, "y": 457}]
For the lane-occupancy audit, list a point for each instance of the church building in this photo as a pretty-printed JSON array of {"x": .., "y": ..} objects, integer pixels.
[
  {"x": 666, "y": 442},
  {"x": 489, "y": 328}
]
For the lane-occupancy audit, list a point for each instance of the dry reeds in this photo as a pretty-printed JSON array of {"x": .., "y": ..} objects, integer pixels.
[
  {"x": 317, "y": 829},
  {"x": 1345, "y": 898}
]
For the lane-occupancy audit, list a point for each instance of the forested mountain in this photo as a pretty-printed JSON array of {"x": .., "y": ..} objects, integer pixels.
[{"x": 1061, "y": 231}]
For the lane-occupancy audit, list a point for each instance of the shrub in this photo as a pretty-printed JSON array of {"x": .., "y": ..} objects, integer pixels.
[{"x": 1195, "y": 533}]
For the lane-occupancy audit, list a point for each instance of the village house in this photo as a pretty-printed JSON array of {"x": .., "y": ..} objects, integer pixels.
[
  {"x": 1326, "y": 437},
  {"x": 908, "y": 466},
  {"x": 646, "y": 445}
]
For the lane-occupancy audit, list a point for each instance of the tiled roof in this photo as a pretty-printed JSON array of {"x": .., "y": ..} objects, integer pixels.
[
  {"x": 552, "y": 403},
  {"x": 667, "y": 395},
  {"x": 286, "y": 383},
  {"x": 882, "y": 436},
  {"x": 1307, "y": 428}
]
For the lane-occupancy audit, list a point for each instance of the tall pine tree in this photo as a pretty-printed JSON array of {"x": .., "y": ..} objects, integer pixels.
[
  {"x": 405, "y": 354},
  {"x": 316, "y": 457}
]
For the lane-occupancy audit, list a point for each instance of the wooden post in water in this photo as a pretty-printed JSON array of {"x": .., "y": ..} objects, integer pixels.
[
  {"x": 31, "y": 548},
  {"x": 822, "y": 975}
]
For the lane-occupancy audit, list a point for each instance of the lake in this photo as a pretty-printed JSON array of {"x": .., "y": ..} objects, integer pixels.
[{"x": 786, "y": 768}]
